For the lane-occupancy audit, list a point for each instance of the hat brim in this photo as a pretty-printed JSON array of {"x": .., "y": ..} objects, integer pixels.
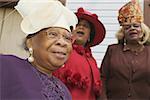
[{"x": 99, "y": 28}]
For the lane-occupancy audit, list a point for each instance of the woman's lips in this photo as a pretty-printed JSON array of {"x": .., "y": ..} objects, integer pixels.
[
  {"x": 133, "y": 33},
  {"x": 60, "y": 54},
  {"x": 80, "y": 33}
]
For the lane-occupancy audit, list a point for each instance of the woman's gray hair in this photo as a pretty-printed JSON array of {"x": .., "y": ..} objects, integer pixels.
[{"x": 144, "y": 40}]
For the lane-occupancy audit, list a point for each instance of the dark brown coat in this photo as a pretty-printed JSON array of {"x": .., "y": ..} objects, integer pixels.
[{"x": 125, "y": 74}]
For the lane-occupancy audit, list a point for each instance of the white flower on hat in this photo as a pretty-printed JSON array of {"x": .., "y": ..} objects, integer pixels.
[{"x": 40, "y": 14}]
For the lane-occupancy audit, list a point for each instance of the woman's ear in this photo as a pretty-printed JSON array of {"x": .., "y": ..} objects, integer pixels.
[{"x": 28, "y": 43}]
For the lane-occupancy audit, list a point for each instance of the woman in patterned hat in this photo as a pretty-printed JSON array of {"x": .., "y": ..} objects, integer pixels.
[
  {"x": 49, "y": 43},
  {"x": 125, "y": 69},
  {"x": 80, "y": 73}
]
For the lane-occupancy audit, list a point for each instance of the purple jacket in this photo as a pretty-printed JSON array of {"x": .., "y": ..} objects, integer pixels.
[{"x": 19, "y": 81}]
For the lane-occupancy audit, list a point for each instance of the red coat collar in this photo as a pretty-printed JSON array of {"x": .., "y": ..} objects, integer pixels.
[{"x": 82, "y": 50}]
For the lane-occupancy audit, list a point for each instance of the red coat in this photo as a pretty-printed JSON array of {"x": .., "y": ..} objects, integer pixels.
[{"x": 81, "y": 75}]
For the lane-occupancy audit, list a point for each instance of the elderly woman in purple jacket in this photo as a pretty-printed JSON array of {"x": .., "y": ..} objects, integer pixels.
[{"x": 49, "y": 44}]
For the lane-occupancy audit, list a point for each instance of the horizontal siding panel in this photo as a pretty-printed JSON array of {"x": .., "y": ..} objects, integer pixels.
[
  {"x": 96, "y": 6},
  {"x": 104, "y": 13},
  {"x": 99, "y": 49},
  {"x": 98, "y": 56},
  {"x": 110, "y": 20},
  {"x": 112, "y": 26},
  {"x": 110, "y": 34},
  {"x": 109, "y": 41},
  {"x": 99, "y": 1}
]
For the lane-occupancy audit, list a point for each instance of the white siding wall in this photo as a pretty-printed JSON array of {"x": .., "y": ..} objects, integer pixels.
[{"x": 107, "y": 10}]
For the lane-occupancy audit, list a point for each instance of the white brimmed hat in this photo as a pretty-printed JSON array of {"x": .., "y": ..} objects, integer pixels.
[{"x": 40, "y": 14}]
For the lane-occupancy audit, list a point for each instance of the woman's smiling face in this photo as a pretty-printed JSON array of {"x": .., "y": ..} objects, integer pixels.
[
  {"x": 51, "y": 47},
  {"x": 132, "y": 31}
]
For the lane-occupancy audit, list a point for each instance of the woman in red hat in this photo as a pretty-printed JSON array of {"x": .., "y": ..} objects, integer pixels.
[{"x": 80, "y": 73}]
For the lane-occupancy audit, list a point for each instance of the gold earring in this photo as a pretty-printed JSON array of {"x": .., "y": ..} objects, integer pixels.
[{"x": 31, "y": 58}]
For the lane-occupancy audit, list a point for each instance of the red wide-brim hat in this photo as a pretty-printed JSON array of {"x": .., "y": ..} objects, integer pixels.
[{"x": 99, "y": 27}]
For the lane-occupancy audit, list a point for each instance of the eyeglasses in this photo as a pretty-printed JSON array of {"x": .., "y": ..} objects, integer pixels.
[{"x": 57, "y": 35}]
